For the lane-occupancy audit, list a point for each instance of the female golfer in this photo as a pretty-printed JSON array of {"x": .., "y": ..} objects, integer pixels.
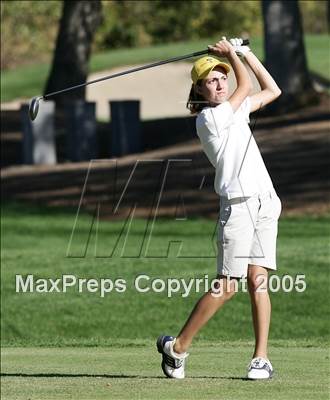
[{"x": 249, "y": 205}]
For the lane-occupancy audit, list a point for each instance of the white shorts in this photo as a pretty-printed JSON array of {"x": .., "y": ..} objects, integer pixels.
[{"x": 247, "y": 233}]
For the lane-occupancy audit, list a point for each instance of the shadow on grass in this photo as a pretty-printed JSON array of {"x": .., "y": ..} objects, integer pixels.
[{"x": 113, "y": 376}]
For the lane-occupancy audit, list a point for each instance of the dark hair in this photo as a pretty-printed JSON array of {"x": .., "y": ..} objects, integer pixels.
[{"x": 196, "y": 101}]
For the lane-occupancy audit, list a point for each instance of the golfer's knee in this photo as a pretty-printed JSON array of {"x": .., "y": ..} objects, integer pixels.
[
  {"x": 257, "y": 283},
  {"x": 224, "y": 288},
  {"x": 222, "y": 296}
]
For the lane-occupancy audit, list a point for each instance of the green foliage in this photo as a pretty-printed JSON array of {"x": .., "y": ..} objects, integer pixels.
[
  {"x": 28, "y": 31},
  {"x": 175, "y": 21},
  {"x": 29, "y": 27},
  {"x": 141, "y": 23},
  {"x": 314, "y": 15},
  {"x": 232, "y": 18},
  {"x": 123, "y": 25}
]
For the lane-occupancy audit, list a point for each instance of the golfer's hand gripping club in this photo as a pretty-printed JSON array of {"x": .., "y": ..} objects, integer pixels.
[{"x": 241, "y": 48}]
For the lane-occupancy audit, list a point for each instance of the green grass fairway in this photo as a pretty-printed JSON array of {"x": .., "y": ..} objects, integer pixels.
[{"x": 214, "y": 371}]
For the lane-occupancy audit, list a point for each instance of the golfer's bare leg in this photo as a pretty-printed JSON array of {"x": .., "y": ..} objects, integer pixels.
[
  {"x": 203, "y": 311},
  {"x": 261, "y": 307}
]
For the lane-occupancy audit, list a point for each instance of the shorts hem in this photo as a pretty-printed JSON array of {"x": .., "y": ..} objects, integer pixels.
[
  {"x": 243, "y": 274},
  {"x": 232, "y": 275},
  {"x": 267, "y": 266}
]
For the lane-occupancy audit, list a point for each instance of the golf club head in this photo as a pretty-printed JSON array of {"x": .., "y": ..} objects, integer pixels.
[{"x": 34, "y": 107}]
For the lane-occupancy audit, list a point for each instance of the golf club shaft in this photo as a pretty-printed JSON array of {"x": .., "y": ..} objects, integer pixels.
[{"x": 129, "y": 71}]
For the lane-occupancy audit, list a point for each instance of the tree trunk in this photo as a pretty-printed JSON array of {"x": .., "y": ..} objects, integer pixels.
[
  {"x": 285, "y": 55},
  {"x": 73, "y": 47}
]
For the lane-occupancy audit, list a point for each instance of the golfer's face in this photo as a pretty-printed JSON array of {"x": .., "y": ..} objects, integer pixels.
[{"x": 215, "y": 86}]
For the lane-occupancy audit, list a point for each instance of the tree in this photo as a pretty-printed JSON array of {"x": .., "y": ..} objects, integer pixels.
[
  {"x": 285, "y": 54},
  {"x": 73, "y": 47}
]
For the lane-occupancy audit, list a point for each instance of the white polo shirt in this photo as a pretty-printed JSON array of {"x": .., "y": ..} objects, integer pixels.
[{"x": 230, "y": 146}]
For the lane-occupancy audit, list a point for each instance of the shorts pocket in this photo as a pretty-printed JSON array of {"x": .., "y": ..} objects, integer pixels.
[{"x": 224, "y": 215}]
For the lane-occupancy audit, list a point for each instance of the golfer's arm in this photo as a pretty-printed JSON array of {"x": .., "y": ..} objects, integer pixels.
[
  {"x": 244, "y": 84},
  {"x": 269, "y": 89}
]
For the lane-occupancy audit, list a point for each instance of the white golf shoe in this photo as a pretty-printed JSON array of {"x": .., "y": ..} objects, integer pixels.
[
  {"x": 260, "y": 368},
  {"x": 172, "y": 363}
]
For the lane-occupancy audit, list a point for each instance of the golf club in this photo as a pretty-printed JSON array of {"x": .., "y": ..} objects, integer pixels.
[{"x": 34, "y": 103}]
